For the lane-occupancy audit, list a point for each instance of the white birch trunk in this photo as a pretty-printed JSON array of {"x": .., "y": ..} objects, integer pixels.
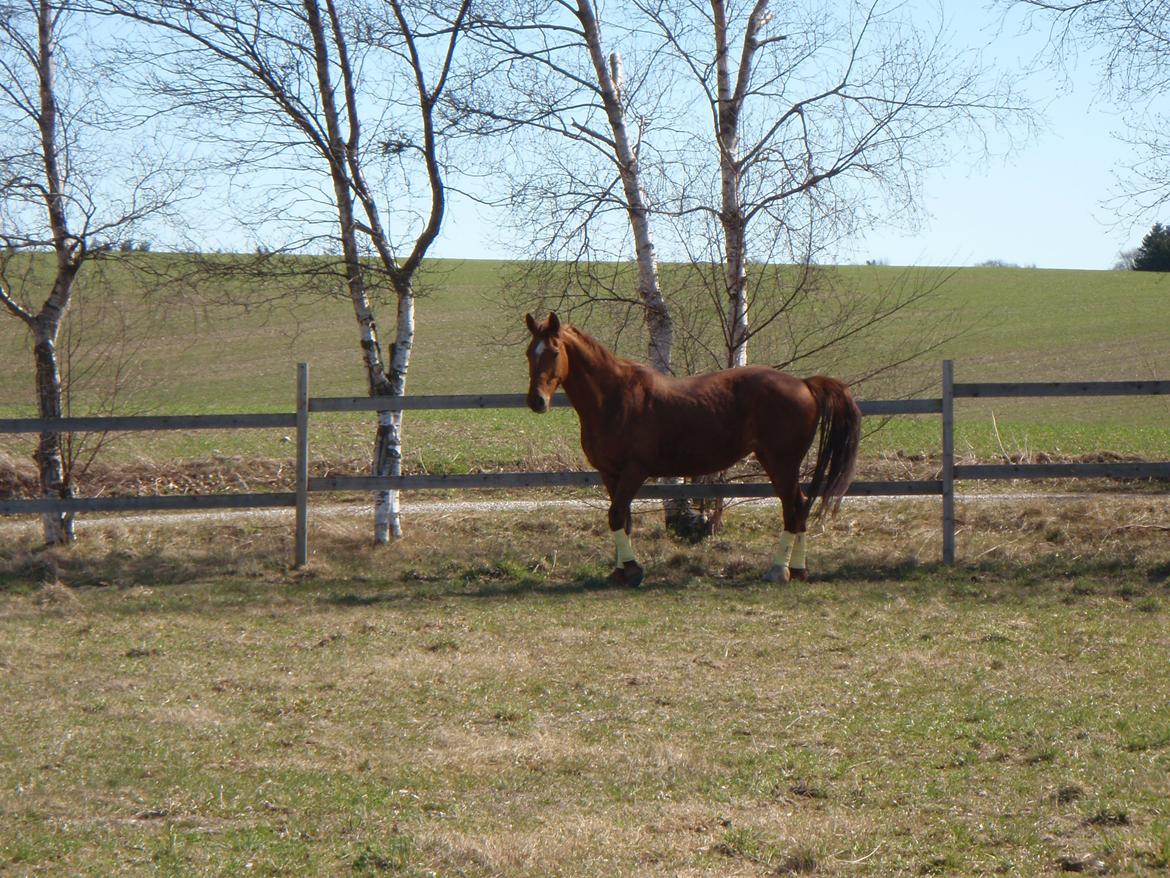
[
  {"x": 737, "y": 292},
  {"x": 388, "y": 454},
  {"x": 343, "y": 166},
  {"x": 730, "y": 99},
  {"x": 69, "y": 251},
  {"x": 659, "y": 326},
  {"x": 679, "y": 515},
  {"x": 57, "y": 527}
]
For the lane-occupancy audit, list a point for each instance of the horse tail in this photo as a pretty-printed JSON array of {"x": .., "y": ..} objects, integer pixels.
[{"x": 840, "y": 438}]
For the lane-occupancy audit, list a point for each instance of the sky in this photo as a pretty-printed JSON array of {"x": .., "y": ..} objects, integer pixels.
[
  {"x": 1046, "y": 201},
  {"x": 1042, "y": 201}
]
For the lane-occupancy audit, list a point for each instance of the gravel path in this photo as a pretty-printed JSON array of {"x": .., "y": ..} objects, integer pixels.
[{"x": 454, "y": 507}]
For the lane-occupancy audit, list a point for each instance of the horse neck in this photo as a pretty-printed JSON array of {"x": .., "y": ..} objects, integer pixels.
[{"x": 595, "y": 374}]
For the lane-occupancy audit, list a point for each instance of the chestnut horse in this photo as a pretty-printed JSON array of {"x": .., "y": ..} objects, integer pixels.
[{"x": 637, "y": 424}]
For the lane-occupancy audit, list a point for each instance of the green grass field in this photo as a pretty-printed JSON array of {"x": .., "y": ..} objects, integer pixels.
[
  {"x": 477, "y": 701},
  {"x": 1014, "y": 324}
]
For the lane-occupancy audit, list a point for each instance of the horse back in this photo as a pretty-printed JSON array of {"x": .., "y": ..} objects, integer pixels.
[{"x": 705, "y": 423}]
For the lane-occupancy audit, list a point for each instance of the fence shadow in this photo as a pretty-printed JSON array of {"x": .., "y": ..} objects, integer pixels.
[
  {"x": 253, "y": 566},
  {"x": 1042, "y": 579},
  {"x": 24, "y": 568}
]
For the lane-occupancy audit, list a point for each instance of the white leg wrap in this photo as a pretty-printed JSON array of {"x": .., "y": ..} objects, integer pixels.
[
  {"x": 625, "y": 551},
  {"x": 799, "y": 552},
  {"x": 787, "y": 542}
]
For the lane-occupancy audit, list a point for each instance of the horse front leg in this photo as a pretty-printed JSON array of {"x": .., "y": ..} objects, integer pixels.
[{"x": 622, "y": 487}]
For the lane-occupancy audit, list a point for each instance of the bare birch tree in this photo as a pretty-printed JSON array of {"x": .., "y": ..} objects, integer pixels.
[
  {"x": 553, "y": 76},
  {"x": 341, "y": 91},
  {"x": 555, "y": 79},
  {"x": 59, "y": 200},
  {"x": 765, "y": 134},
  {"x": 819, "y": 119}
]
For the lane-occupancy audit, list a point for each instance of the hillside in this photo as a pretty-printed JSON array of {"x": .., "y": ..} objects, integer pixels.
[{"x": 188, "y": 351}]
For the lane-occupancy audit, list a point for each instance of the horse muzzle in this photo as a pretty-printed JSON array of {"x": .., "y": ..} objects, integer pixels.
[{"x": 538, "y": 402}]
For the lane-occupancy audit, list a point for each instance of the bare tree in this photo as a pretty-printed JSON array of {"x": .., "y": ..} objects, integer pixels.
[
  {"x": 64, "y": 199},
  {"x": 1129, "y": 41},
  {"x": 764, "y": 135},
  {"x": 551, "y": 74},
  {"x": 819, "y": 121},
  {"x": 555, "y": 80},
  {"x": 344, "y": 96}
]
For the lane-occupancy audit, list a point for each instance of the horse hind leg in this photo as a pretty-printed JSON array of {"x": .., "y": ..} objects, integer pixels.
[
  {"x": 791, "y": 558},
  {"x": 798, "y": 560}
]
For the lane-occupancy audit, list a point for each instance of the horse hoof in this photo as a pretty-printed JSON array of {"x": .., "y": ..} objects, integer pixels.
[
  {"x": 629, "y": 574},
  {"x": 776, "y": 573},
  {"x": 799, "y": 573},
  {"x": 633, "y": 573}
]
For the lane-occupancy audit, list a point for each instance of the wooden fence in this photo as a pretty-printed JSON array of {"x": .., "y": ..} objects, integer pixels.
[{"x": 943, "y": 487}]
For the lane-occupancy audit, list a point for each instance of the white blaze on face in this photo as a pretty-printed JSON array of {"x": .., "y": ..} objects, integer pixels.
[{"x": 538, "y": 350}]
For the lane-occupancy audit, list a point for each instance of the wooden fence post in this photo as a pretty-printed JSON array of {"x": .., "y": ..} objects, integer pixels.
[
  {"x": 302, "y": 490},
  {"x": 948, "y": 461}
]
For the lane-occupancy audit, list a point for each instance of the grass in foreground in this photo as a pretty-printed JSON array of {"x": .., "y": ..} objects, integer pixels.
[{"x": 476, "y": 701}]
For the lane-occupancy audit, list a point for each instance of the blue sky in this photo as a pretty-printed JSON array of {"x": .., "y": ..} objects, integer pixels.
[{"x": 1042, "y": 201}]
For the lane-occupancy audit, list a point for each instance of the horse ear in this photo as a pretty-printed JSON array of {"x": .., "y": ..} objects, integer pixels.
[
  {"x": 554, "y": 323},
  {"x": 528, "y": 318}
]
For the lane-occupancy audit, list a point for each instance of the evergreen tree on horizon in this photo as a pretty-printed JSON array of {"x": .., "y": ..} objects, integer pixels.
[{"x": 1154, "y": 253}]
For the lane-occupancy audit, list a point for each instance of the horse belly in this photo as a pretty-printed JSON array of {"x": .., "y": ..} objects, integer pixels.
[
  {"x": 698, "y": 452},
  {"x": 694, "y": 466}
]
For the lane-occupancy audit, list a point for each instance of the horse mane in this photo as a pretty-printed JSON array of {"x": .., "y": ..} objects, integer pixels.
[{"x": 596, "y": 349}]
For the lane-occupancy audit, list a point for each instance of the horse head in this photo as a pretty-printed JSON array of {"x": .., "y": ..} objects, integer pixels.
[{"x": 548, "y": 365}]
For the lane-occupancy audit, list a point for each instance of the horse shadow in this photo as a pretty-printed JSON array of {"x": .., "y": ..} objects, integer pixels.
[
  {"x": 990, "y": 580},
  {"x": 843, "y": 580}
]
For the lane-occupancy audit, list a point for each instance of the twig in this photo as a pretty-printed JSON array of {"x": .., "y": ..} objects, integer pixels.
[
  {"x": 998, "y": 546},
  {"x": 999, "y": 440},
  {"x": 859, "y": 859}
]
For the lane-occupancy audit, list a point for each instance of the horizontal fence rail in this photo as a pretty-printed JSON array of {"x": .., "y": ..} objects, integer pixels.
[
  {"x": 305, "y": 486},
  {"x": 148, "y": 423},
  {"x": 156, "y": 503},
  {"x": 896, "y": 488},
  {"x": 417, "y": 403},
  {"x": 1062, "y": 388},
  {"x": 986, "y": 471},
  {"x": 519, "y": 401},
  {"x": 151, "y": 423}
]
